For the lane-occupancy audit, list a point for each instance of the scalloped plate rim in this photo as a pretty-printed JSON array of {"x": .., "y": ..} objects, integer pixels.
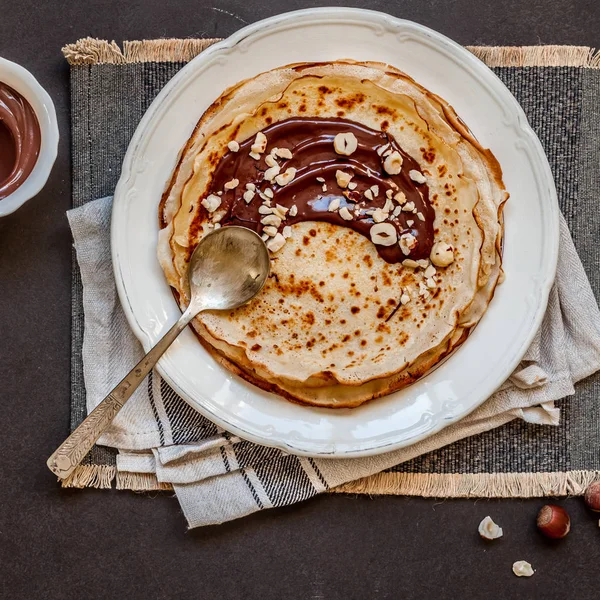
[{"x": 440, "y": 418}]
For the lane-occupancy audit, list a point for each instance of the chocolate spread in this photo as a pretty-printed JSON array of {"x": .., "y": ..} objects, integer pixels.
[
  {"x": 310, "y": 141},
  {"x": 20, "y": 140}
]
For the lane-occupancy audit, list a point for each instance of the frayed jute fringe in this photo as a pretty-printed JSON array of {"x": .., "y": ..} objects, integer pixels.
[
  {"x": 428, "y": 485},
  {"x": 473, "y": 485},
  {"x": 537, "y": 56},
  {"x": 95, "y": 476},
  {"x": 91, "y": 51}
]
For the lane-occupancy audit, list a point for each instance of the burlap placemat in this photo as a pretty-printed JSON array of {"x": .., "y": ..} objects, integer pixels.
[{"x": 558, "y": 87}]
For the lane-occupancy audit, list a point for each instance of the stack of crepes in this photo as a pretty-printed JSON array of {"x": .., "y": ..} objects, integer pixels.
[{"x": 382, "y": 213}]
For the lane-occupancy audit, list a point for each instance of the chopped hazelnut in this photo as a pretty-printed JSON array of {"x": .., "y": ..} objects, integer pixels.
[
  {"x": 277, "y": 211},
  {"x": 393, "y": 163},
  {"x": 342, "y": 178},
  {"x": 379, "y": 215},
  {"x": 272, "y": 172},
  {"x": 522, "y": 568},
  {"x": 271, "y": 161},
  {"x": 430, "y": 271},
  {"x": 382, "y": 149},
  {"x": 442, "y": 254},
  {"x": 211, "y": 202},
  {"x": 270, "y": 230},
  {"x": 276, "y": 243},
  {"x": 417, "y": 176},
  {"x": 407, "y": 242},
  {"x": 273, "y": 220},
  {"x": 411, "y": 264},
  {"x": 383, "y": 234},
  {"x": 400, "y": 197},
  {"x": 345, "y": 143},
  {"x": 345, "y": 213},
  {"x": 489, "y": 530},
  {"x": 232, "y": 184},
  {"x": 260, "y": 143},
  {"x": 286, "y": 176},
  {"x": 334, "y": 205}
]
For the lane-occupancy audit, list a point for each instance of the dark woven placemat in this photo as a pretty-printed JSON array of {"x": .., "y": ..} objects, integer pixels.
[{"x": 559, "y": 89}]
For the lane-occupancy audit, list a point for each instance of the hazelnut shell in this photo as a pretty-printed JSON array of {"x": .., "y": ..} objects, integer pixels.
[
  {"x": 553, "y": 521},
  {"x": 592, "y": 496}
]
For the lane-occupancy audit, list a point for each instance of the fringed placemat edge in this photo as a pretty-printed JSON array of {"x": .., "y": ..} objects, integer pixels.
[
  {"x": 537, "y": 56},
  {"x": 473, "y": 485},
  {"x": 92, "y": 51},
  {"x": 426, "y": 485}
]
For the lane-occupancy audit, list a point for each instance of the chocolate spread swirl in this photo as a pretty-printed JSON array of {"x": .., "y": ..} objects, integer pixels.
[
  {"x": 310, "y": 141},
  {"x": 20, "y": 140}
]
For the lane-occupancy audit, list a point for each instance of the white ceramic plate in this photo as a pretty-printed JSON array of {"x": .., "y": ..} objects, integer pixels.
[{"x": 493, "y": 350}]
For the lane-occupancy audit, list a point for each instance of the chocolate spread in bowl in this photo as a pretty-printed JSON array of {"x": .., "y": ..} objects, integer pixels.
[{"x": 20, "y": 140}]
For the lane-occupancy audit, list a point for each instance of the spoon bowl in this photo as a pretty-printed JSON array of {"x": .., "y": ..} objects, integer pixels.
[{"x": 228, "y": 268}]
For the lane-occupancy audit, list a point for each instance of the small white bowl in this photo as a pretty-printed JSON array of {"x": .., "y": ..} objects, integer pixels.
[{"x": 26, "y": 84}]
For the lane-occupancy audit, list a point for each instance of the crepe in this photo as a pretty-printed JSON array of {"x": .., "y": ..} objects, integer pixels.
[{"x": 343, "y": 318}]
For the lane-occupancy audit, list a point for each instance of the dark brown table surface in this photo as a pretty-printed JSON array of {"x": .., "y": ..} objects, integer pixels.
[{"x": 58, "y": 543}]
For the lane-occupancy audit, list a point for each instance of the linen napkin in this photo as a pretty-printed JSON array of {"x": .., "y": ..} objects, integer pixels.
[{"x": 217, "y": 476}]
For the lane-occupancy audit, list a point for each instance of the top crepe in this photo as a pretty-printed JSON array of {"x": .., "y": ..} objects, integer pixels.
[{"x": 353, "y": 308}]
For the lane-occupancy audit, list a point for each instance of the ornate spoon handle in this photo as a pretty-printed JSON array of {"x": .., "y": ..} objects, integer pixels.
[{"x": 70, "y": 453}]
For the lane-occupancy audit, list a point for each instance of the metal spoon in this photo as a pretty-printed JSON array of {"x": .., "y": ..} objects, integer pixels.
[{"x": 227, "y": 269}]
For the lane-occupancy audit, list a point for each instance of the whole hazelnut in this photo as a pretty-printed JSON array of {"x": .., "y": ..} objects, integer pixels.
[
  {"x": 553, "y": 521},
  {"x": 592, "y": 496}
]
